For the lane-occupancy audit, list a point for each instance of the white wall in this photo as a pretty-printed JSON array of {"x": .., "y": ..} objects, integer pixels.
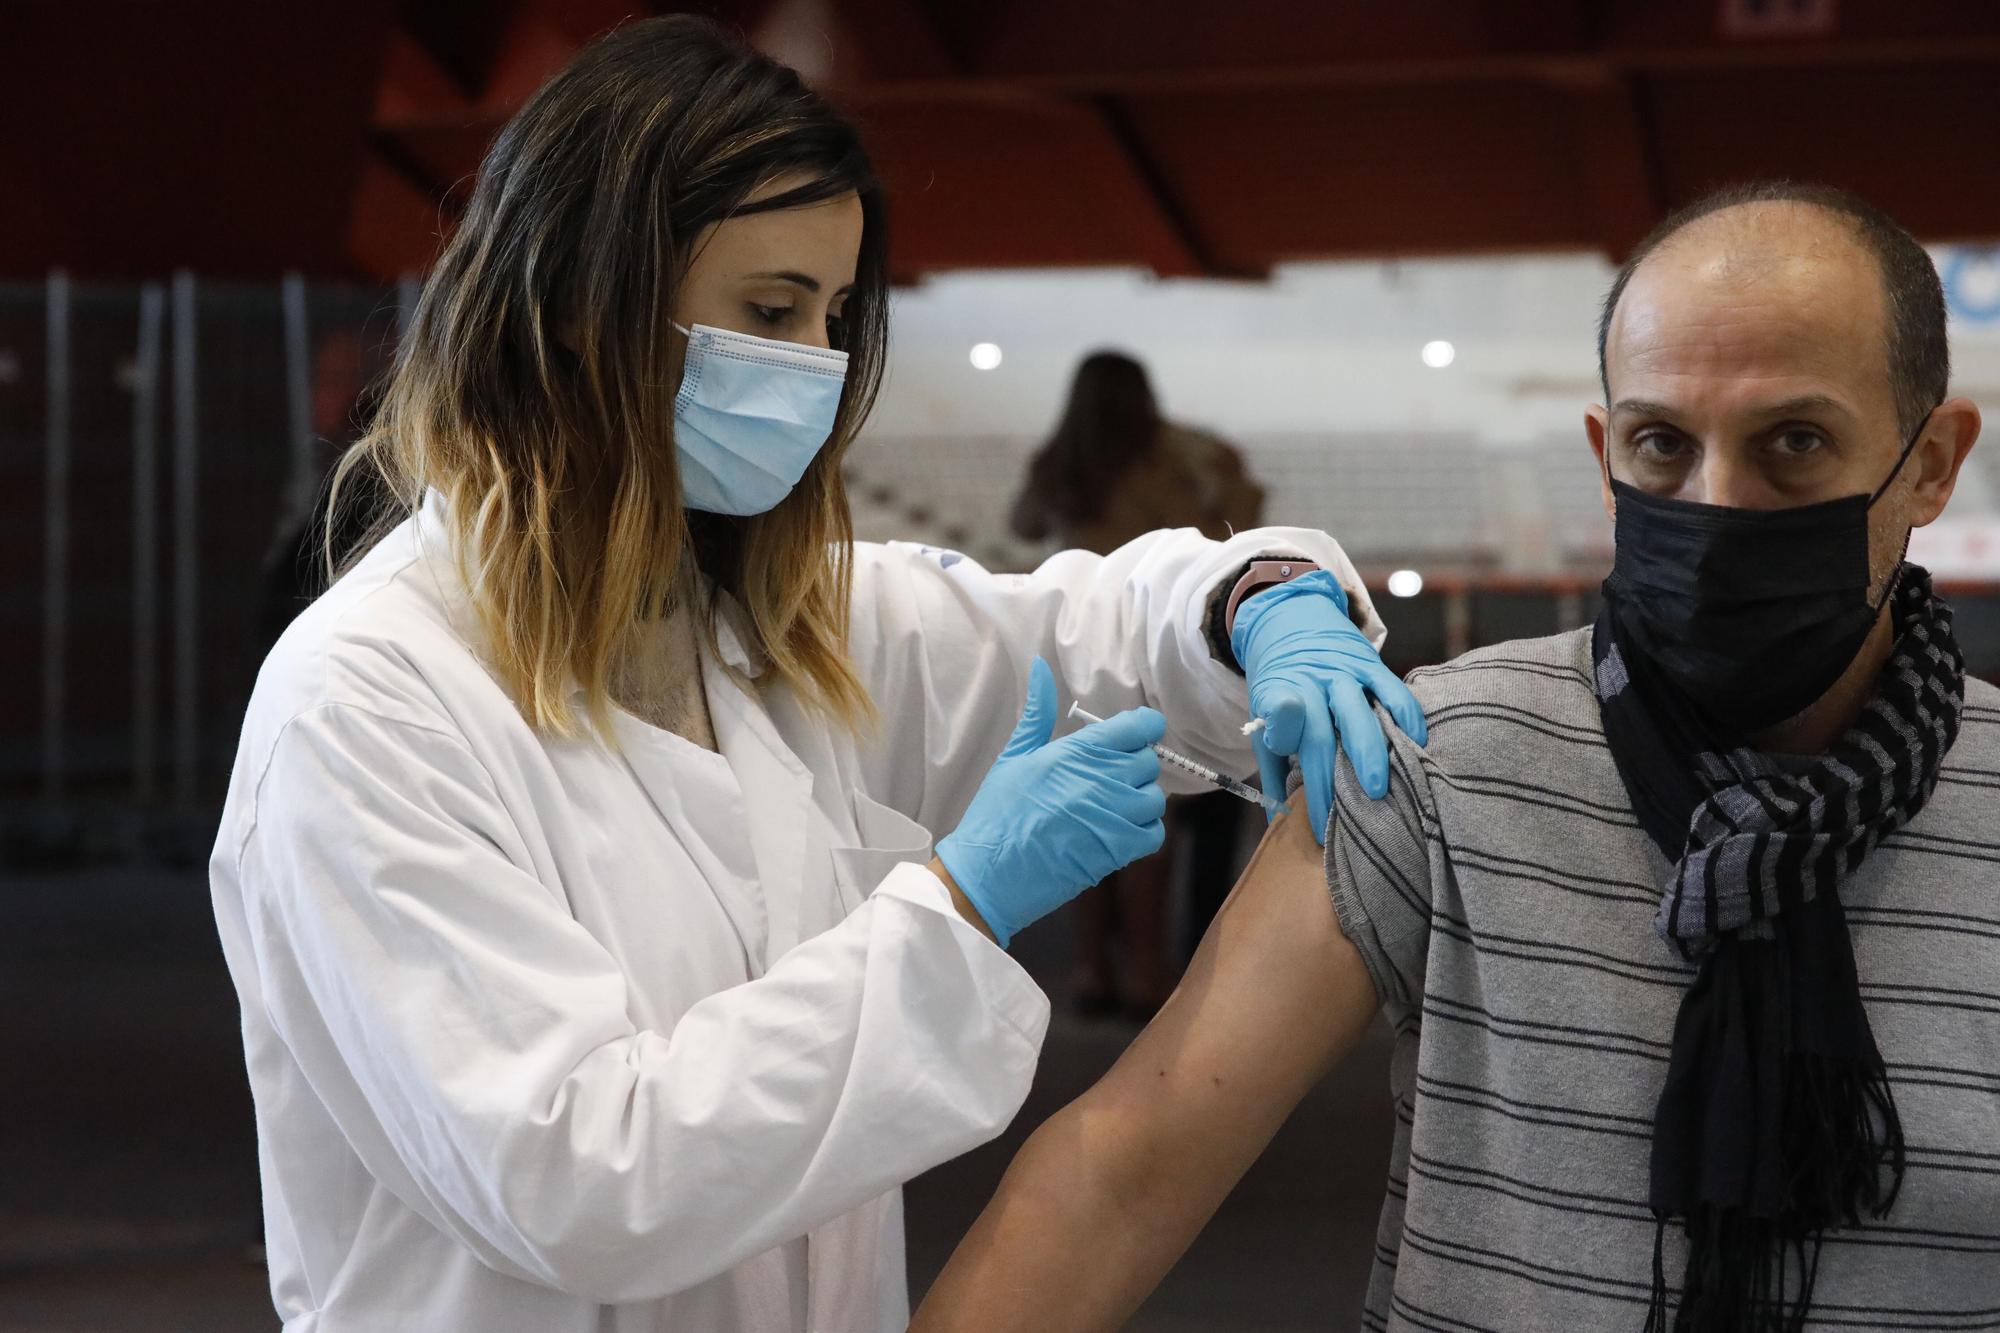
[{"x": 1320, "y": 347}]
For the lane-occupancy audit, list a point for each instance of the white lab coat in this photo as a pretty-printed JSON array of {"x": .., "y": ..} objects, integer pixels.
[{"x": 546, "y": 1038}]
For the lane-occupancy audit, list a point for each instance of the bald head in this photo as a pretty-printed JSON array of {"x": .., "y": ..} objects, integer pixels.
[
  {"x": 1822, "y": 259},
  {"x": 1797, "y": 256}
]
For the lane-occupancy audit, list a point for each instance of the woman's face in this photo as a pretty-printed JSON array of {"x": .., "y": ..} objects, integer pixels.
[{"x": 785, "y": 274}]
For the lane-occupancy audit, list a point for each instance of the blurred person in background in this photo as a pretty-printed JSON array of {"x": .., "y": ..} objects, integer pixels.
[
  {"x": 1113, "y": 470},
  {"x": 598, "y": 967},
  {"x": 1686, "y": 923}
]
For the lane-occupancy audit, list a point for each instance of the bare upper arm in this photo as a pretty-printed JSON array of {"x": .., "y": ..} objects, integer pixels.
[
  {"x": 1276, "y": 995},
  {"x": 1111, "y": 1190}
]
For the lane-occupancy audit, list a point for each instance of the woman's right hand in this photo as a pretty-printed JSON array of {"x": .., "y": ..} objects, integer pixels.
[{"x": 1053, "y": 818}]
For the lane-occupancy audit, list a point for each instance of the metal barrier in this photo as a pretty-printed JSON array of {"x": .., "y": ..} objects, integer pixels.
[{"x": 149, "y": 437}]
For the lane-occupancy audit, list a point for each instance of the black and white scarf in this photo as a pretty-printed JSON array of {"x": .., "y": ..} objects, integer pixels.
[{"x": 1777, "y": 1120}]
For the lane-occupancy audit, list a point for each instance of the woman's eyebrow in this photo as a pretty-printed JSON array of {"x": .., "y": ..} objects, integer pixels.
[{"x": 810, "y": 284}]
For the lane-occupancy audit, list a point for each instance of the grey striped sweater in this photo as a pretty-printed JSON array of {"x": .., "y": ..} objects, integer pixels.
[{"x": 1503, "y": 897}]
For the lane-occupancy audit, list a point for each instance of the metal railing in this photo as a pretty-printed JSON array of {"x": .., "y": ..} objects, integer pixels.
[{"x": 149, "y": 436}]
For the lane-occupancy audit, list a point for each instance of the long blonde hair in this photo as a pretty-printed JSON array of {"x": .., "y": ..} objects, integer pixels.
[{"x": 534, "y": 388}]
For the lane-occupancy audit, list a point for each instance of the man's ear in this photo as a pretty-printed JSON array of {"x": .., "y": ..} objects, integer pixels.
[
  {"x": 1948, "y": 437},
  {"x": 1597, "y": 426}
]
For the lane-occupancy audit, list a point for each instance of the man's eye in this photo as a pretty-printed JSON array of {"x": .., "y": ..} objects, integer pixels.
[
  {"x": 1796, "y": 441},
  {"x": 1660, "y": 448}
]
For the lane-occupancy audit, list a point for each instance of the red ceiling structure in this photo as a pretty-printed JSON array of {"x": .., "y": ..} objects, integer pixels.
[{"x": 1185, "y": 136}]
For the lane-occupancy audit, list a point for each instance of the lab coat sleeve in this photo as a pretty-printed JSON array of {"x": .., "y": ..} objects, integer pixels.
[
  {"x": 943, "y": 647},
  {"x": 475, "y": 1042}
]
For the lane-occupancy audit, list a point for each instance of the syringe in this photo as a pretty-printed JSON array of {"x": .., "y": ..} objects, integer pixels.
[{"x": 1202, "y": 771}]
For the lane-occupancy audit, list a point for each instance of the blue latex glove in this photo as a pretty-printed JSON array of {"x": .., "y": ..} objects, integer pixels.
[
  {"x": 1311, "y": 671},
  {"x": 1052, "y": 819}
]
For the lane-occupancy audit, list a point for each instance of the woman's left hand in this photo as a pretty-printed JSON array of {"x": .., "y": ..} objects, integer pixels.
[{"x": 1311, "y": 673}]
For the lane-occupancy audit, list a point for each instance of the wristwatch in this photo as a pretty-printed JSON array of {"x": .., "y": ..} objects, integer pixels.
[{"x": 1259, "y": 574}]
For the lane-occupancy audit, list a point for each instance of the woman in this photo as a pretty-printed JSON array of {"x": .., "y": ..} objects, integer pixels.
[
  {"x": 1113, "y": 470},
  {"x": 598, "y": 970}
]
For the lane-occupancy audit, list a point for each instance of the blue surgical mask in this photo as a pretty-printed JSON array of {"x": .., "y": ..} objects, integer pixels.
[{"x": 751, "y": 415}]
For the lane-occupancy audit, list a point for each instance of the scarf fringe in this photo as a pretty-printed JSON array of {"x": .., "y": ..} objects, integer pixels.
[
  {"x": 1841, "y": 1130},
  {"x": 1721, "y": 1293}
]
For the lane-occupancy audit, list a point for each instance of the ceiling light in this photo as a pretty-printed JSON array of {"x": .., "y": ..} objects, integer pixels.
[
  {"x": 1438, "y": 353},
  {"x": 985, "y": 356},
  {"x": 1406, "y": 582}
]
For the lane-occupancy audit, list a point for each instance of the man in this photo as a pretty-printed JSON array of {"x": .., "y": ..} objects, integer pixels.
[{"x": 1688, "y": 925}]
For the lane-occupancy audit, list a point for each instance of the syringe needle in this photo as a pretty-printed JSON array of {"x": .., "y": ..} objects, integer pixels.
[{"x": 1220, "y": 781}]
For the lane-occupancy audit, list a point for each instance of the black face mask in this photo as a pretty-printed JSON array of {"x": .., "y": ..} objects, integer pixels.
[{"x": 1750, "y": 614}]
